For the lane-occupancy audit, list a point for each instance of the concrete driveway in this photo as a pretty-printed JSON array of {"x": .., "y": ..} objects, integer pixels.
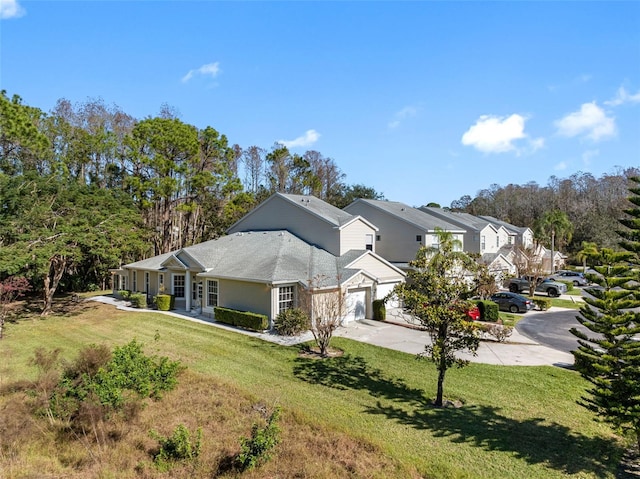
[{"x": 518, "y": 350}]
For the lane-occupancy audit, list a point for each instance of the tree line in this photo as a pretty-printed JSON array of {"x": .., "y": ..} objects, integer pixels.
[{"x": 592, "y": 205}]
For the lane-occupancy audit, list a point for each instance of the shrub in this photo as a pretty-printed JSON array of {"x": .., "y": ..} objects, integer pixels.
[
  {"x": 178, "y": 447},
  {"x": 256, "y": 450},
  {"x": 104, "y": 381},
  {"x": 163, "y": 301},
  {"x": 542, "y": 303},
  {"x": 500, "y": 332},
  {"x": 124, "y": 293},
  {"x": 569, "y": 285},
  {"x": 489, "y": 310},
  {"x": 138, "y": 300},
  {"x": 244, "y": 319},
  {"x": 291, "y": 322},
  {"x": 379, "y": 310}
]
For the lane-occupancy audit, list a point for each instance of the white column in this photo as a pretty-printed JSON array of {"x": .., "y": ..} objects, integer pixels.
[{"x": 187, "y": 290}]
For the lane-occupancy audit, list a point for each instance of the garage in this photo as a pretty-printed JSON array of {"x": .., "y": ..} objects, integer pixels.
[
  {"x": 383, "y": 290},
  {"x": 356, "y": 305}
]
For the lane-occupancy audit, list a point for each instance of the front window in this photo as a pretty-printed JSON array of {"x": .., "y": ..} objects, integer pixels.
[
  {"x": 369, "y": 242},
  {"x": 482, "y": 243},
  {"x": 285, "y": 298},
  {"x": 212, "y": 293},
  {"x": 161, "y": 283},
  {"x": 196, "y": 290},
  {"x": 134, "y": 286},
  {"x": 146, "y": 281},
  {"x": 178, "y": 285}
]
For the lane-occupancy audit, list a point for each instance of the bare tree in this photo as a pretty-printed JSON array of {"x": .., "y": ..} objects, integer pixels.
[{"x": 327, "y": 307}]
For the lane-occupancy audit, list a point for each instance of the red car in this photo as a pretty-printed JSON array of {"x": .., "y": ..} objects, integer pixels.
[{"x": 474, "y": 313}]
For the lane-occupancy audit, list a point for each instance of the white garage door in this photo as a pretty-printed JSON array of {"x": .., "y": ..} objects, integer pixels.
[
  {"x": 356, "y": 305},
  {"x": 384, "y": 289}
]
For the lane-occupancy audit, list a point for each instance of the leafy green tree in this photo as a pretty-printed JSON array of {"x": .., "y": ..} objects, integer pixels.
[
  {"x": 610, "y": 357},
  {"x": 436, "y": 293},
  {"x": 351, "y": 193},
  {"x": 23, "y": 146},
  {"x": 554, "y": 226},
  {"x": 50, "y": 229}
]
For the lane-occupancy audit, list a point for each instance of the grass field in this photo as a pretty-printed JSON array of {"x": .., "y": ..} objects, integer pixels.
[{"x": 366, "y": 413}]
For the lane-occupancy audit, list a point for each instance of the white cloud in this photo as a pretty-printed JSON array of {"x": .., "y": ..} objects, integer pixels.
[
  {"x": 623, "y": 96},
  {"x": 11, "y": 9},
  {"x": 492, "y": 134},
  {"x": 210, "y": 69},
  {"x": 590, "y": 121},
  {"x": 308, "y": 139},
  {"x": 560, "y": 166},
  {"x": 406, "y": 112}
]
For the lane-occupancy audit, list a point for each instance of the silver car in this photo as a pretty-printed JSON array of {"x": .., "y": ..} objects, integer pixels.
[{"x": 574, "y": 277}]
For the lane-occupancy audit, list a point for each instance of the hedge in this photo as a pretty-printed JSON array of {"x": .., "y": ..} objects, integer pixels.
[
  {"x": 379, "y": 310},
  {"x": 489, "y": 310},
  {"x": 243, "y": 319},
  {"x": 542, "y": 303},
  {"x": 165, "y": 302},
  {"x": 138, "y": 300}
]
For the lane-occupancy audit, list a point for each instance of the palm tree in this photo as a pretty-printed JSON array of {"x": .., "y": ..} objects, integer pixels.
[
  {"x": 554, "y": 224},
  {"x": 589, "y": 251}
]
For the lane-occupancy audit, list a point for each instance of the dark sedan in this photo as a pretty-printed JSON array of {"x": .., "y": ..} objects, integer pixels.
[{"x": 512, "y": 302}]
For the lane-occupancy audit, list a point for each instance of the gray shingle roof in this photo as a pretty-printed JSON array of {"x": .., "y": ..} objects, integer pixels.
[
  {"x": 320, "y": 208},
  {"x": 262, "y": 256},
  {"x": 464, "y": 220},
  {"x": 411, "y": 215}
]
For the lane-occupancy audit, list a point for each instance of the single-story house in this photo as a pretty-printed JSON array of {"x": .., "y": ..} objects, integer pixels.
[{"x": 263, "y": 272}]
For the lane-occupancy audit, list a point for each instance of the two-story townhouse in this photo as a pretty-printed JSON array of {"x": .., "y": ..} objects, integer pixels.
[
  {"x": 480, "y": 235},
  {"x": 402, "y": 230},
  {"x": 311, "y": 219},
  {"x": 521, "y": 236}
]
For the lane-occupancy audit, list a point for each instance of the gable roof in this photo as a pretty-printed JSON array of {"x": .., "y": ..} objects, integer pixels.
[
  {"x": 412, "y": 216},
  {"x": 272, "y": 257},
  {"x": 507, "y": 226},
  {"x": 465, "y": 220},
  {"x": 322, "y": 210}
]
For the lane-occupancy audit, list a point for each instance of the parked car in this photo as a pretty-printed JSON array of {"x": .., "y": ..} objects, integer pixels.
[
  {"x": 474, "y": 313},
  {"x": 552, "y": 288},
  {"x": 512, "y": 302},
  {"x": 575, "y": 277}
]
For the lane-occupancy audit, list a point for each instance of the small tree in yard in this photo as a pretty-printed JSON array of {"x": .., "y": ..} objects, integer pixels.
[
  {"x": 10, "y": 289},
  {"x": 610, "y": 358},
  {"x": 435, "y": 293},
  {"x": 326, "y": 306}
]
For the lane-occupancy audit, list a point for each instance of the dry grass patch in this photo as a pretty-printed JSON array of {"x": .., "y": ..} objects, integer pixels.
[{"x": 33, "y": 446}]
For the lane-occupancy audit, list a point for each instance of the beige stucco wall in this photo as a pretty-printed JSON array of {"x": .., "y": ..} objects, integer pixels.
[
  {"x": 244, "y": 296},
  {"x": 354, "y": 236}
]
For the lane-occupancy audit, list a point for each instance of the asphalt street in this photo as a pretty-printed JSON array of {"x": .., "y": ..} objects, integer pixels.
[{"x": 551, "y": 328}]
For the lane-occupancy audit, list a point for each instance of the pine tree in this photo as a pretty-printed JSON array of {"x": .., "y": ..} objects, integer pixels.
[{"x": 610, "y": 358}]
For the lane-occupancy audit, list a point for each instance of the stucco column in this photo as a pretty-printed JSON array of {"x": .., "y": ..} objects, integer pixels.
[{"x": 187, "y": 290}]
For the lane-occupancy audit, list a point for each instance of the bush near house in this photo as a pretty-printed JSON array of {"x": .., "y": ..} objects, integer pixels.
[
  {"x": 379, "y": 310},
  {"x": 292, "y": 322},
  {"x": 489, "y": 310},
  {"x": 243, "y": 319},
  {"x": 138, "y": 300},
  {"x": 164, "y": 302}
]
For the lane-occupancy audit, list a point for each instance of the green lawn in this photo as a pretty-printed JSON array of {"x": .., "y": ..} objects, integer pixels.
[{"x": 514, "y": 422}]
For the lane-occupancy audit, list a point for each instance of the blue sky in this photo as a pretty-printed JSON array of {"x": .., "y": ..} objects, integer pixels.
[{"x": 424, "y": 101}]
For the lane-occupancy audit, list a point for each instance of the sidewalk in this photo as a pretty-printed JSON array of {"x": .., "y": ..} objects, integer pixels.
[{"x": 517, "y": 350}]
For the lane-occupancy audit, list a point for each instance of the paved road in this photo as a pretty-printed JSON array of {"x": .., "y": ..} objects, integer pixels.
[{"x": 551, "y": 328}]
